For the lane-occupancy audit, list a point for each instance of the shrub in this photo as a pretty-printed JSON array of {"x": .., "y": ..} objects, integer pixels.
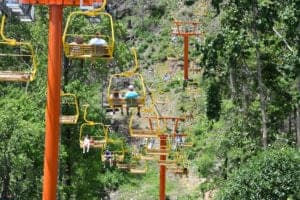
[{"x": 273, "y": 174}]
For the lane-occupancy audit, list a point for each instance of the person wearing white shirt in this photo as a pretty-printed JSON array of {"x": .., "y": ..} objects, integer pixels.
[{"x": 97, "y": 41}]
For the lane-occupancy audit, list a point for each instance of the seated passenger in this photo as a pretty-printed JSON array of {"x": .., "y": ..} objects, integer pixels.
[
  {"x": 116, "y": 97},
  {"x": 86, "y": 144},
  {"x": 97, "y": 41},
  {"x": 131, "y": 94},
  {"x": 77, "y": 40},
  {"x": 75, "y": 48},
  {"x": 108, "y": 157}
]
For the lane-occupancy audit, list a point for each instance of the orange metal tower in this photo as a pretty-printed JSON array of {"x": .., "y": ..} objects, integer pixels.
[
  {"x": 53, "y": 89},
  {"x": 186, "y": 29},
  {"x": 163, "y": 148}
]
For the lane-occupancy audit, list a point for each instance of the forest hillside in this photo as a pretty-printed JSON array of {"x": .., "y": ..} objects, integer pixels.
[{"x": 239, "y": 111}]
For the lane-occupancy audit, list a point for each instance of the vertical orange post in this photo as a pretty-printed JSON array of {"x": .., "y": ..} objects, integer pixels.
[
  {"x": 186, "y": 29},
  {"x": 53, "y": 103},
  {"x": 186, "y": 57},
  {"x": 150, "y": 124},
  {"x": 162, "y": 175}
]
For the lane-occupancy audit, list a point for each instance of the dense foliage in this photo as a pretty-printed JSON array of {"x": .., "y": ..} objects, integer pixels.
[
  {"x": 254, "y": 57},
  {"x": 273, "y": 174},
  {"x": 247, "y": 117}
]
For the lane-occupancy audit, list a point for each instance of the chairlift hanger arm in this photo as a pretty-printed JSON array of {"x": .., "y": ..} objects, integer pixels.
[{"x": 10, "y": 41}]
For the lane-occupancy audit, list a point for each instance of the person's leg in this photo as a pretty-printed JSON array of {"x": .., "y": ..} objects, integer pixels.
[
  {"x": 127, "y": 110},
  {"x": 139, "y": 111},
  {"x": 88, "y": 147},
  {"x": 110, "y": 162}
]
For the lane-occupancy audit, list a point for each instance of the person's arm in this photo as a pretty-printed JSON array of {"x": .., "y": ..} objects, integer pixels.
[{"x": 126, "y": 95}]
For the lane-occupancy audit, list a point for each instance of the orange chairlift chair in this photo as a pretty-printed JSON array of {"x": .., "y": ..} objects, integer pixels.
[{"x": 17, "y": 59}]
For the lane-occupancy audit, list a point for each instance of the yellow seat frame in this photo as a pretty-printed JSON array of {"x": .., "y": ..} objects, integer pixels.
[
  {"x": 70, "y": 119},
  {"x": 162, "y": 150},
  {"x": 140, "y": 101},
  {"x": 142, "y": 133},
  {"x": 117, "y": 156},
  {"x": 98, "y": 141},
  {"x": 17, "y": 76},
  {"x": 86, "y": 51}
]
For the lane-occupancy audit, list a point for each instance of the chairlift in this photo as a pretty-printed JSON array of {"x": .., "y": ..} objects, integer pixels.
[
  {"x": 18, "y": 62},
  {"x": 142, "y": 132},
  {"x": 159, "y": 149},
  {"x": 116, "y": 150},
  {"x": 76, "y": 42},
  {"x": 96, "y": 131},
  {"x": 118, "y": 84},
  {"x": 70, "y": 101}
]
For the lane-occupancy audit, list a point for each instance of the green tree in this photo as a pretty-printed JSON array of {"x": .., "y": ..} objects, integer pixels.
[{"x": 273, "y": 174}]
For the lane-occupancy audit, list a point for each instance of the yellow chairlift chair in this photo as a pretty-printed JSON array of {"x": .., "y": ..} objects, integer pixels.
[
  {"x": 181, "y": 166},
  {"x": 135, "y": 166},
  {"x": 120, "y": 82},
  {"x": 138, "y": 167},
  {"x": 69, "y": 100},
  {"x": 159, "y": 150},
  {"x": 17, "y": 59},
  {"x": 141, "y": 152},
  {"x": 98, "y": 132},
  {"x": 115, "y": 151},
  {"x": 76, "y": 42},
  {"x": 142, "y": 132}
]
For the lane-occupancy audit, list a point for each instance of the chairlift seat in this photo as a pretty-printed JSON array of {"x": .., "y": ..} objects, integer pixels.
[
  {"x": 122, "y": 166},
  {"x": 16, "y": 76},
  {"x": 152, "y": 157},
  {"x": 95, "y": 144},
  {"x": 69, "y": 99},
  {"x": 138, "y": 102},
  {"x": 83, "y": 51},
  {"x": 143, "y": 133},
  {"x": 158, "y": 152},
  {"x": 117, "y": 102},
  {"x": 68, "y": 119},
  {"x": 167, "y": 162},
  {"x": 137, "y": 171}
]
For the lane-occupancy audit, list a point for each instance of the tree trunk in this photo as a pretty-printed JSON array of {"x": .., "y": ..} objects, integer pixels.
[
  {"x": 298, "y": 119},
  {"x": 6, "y": 180},
  {"x": 261, "y": 89},
  {"x": 245, "y": 92},
  {"x": 232, "y": 83},
  {"x": 262, "y": 99}
]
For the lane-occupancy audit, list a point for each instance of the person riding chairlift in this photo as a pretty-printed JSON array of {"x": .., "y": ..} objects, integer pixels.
[
  {"x": 116, "y": 97},
  {"x": 131, "y": 94},
  {"x": 97, "y": 41}
]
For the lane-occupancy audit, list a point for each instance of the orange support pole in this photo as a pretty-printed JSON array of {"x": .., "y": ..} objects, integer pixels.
[
  {"x": 186, "y": 57},
  {"x": 150, "y": 124},
  {"x": 162, "y": 175},
  {"x": 53, "y": 102}
]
